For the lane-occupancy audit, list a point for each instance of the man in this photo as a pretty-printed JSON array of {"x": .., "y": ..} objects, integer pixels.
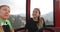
[{"x": 5, "y": 25}]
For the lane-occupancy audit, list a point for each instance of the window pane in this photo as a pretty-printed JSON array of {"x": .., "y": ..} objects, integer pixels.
[
  {"x": 18, "y": 12},
  {"x": 46, "y": 8}
]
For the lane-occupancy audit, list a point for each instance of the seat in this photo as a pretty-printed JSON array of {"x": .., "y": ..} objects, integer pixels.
[{"x": 43, "y": 29}]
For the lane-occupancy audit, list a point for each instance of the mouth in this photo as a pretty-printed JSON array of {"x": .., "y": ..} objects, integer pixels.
[
  {"x": 6, "y": 15},
  {"x": 34, "y": 14}
]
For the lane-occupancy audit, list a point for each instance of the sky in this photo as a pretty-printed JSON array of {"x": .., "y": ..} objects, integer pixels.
[
  {"x": 19, "y": 6},
  {"x": 45, "y": 6},
  {"x": 16, "y": 6}
]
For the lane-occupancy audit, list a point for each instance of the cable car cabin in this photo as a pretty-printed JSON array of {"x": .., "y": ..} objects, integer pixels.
[{"x": 46, "y": 11}]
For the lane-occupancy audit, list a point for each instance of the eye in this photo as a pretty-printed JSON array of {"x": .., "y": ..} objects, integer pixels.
[
  {"x": 5, "y": 9},
  {"x": 9, "y": 11},
  {"x": 36, "y": 11}
]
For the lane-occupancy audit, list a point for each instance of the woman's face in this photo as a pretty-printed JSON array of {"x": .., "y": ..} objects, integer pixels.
[
  {"x": 36, "y": 13},
  {"x": 4, "y": 12}
]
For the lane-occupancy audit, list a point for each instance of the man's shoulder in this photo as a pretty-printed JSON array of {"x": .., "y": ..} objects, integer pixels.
[{"x": 7, "y": 21}]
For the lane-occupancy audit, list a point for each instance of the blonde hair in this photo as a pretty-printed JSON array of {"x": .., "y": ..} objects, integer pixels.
[{"x": 1, "y": 29}]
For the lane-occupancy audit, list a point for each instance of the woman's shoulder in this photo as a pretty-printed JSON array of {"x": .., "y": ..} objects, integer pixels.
[
  {"x": 29, "y": 20},
  {"x": 43, "y": 21},
  {"x": 42, "y": 18}
]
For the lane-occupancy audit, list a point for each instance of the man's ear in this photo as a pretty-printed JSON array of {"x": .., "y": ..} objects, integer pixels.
[
  {"x": 0, "y": 12},
  {"x": 0, "y": 15}
]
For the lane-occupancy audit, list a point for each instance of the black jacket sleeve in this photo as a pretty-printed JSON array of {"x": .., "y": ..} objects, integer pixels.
[{"x": 27, "y": 24}]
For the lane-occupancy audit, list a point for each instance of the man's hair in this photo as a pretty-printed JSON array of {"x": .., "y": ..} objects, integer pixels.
[{"x": 4, "y": 6}]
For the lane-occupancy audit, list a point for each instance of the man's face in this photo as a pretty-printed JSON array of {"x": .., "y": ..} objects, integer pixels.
[{"x": 4, "y": 12}]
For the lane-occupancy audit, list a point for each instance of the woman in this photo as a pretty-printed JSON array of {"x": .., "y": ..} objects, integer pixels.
[
  {"x": 35, "y": 23},
  {"x": 5, "y": 25}
]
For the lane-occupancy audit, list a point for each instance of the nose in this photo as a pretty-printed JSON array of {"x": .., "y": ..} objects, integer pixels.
[{"x": 7, "y": 12}]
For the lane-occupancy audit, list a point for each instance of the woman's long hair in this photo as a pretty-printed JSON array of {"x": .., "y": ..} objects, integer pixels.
[{"x": 39, "y": 18}]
